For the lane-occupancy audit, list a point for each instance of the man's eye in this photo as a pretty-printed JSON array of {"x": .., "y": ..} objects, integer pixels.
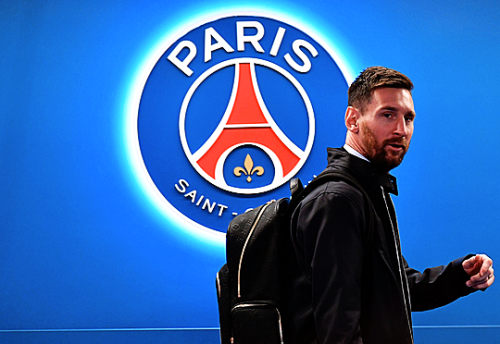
[
  {"x": 387, "y": 115},
  {"x": 409, "y": 119}
]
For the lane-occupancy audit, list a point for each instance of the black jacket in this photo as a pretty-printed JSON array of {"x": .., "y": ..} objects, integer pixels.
[{"x": 340, "y": 294}]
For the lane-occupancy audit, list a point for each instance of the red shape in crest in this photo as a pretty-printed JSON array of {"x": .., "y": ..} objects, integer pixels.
[{"x": 247, "y": 124}]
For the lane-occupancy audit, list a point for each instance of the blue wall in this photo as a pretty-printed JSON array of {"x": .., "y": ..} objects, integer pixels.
[{"x": 85, "y": 257}]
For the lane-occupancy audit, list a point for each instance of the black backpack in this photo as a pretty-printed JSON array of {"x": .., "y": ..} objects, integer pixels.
[{"x": 250, "y": 286}]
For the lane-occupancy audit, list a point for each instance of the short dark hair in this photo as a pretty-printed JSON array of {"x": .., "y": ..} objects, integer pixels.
[{"x": 361, "y": 90}]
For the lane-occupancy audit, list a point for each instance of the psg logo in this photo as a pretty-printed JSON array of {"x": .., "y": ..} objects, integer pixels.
[{"x": 232, "y": 110}]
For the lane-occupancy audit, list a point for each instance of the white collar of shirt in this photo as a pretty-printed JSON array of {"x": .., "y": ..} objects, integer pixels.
[{"x": 354, "y": 152}]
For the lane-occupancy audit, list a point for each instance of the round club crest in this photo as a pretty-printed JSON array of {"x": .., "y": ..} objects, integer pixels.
[{"x": 232, "y": 110}]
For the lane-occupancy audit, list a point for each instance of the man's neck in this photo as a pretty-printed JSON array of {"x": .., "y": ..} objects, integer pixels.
[{"x": 354, "y": 152}]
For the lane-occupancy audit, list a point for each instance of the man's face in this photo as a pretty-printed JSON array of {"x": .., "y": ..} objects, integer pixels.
[{"x": 386, "y": 126}]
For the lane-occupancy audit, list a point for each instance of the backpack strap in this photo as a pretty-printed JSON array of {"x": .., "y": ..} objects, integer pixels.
[
  {"x": 299, "y": 192},
  {"x": 296, "y": 187}
]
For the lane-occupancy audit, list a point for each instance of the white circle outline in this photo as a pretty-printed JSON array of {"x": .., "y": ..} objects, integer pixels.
[{"x": 277, "y": 181}]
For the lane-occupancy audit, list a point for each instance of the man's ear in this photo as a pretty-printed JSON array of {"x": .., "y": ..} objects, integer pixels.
[{"x": 352, "y": 116}]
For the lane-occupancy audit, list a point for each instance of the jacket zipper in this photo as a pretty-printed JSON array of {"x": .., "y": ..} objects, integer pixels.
[
  {"x": 259, "y": 215},
  {"x": 399, "y": 263}
]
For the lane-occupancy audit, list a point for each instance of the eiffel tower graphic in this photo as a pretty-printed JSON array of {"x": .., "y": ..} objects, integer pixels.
[{"x": 247, "y": 121}]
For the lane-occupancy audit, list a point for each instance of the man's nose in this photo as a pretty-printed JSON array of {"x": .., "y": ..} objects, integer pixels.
[{"x": 401, "y": 128}]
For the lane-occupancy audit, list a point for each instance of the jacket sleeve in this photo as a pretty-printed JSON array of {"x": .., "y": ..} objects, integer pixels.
[
  {"x": 330, "y": 228},
  {"x": 436, "y": 287}
]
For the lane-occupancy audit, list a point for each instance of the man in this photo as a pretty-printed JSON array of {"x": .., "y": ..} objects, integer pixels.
[{"x": 342, "y": 292}]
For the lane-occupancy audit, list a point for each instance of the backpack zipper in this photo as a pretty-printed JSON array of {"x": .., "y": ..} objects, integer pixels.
[
  {"x": 259, "y": 215},
  {"x": 217, "y": 282}
]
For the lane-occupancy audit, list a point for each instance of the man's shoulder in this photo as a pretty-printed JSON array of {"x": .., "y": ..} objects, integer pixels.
[
  {"x": 334, "y": 201},
  {"x": 336, "y": 189}
]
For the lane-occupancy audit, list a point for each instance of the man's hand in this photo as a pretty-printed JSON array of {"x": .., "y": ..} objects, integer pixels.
[{"x": 480, "y": 268}]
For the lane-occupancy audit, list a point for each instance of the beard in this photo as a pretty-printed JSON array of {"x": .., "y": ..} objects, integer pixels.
[{"x": 380, "y": 154}]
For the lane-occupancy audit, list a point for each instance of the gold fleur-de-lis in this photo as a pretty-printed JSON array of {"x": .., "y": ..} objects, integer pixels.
[{"x": 249, "y": 169}]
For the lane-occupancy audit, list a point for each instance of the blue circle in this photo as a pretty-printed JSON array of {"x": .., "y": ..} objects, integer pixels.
[{"x": 167, "y": 165}]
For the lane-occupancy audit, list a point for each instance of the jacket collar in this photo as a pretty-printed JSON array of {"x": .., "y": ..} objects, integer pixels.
[{"x": 361, "y": 169}]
